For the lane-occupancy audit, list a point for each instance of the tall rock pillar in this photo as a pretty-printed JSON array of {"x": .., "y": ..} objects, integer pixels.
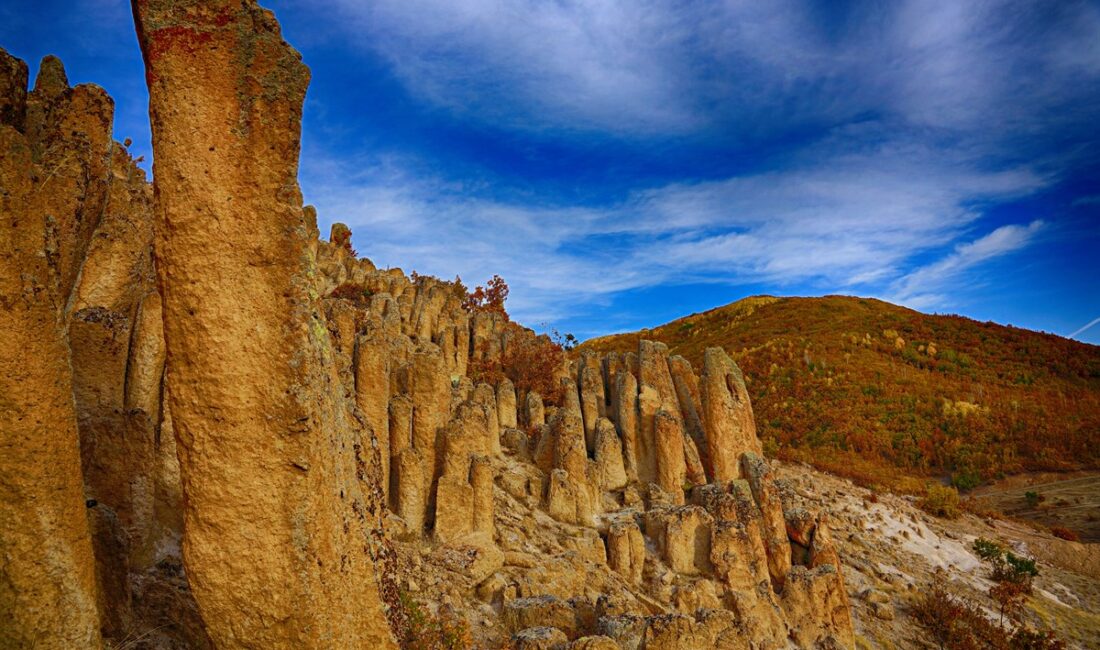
[
  {"x": 727, "y": 415},
  {"x": 282, "y": 501},
  {"x": 47, "y": 572}
]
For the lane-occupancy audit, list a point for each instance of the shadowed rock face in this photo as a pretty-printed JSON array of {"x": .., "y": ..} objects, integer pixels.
[
  {"x": 282, "y": 501},
  {"x": 47, "y": 574}
]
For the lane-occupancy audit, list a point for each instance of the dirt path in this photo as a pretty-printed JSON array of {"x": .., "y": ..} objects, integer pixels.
[{"x": 1073, "y": 503}]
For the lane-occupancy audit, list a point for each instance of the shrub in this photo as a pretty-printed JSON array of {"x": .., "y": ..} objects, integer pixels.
[
  {"x": 1006, "y": 566},
  {"x": 1033, "y": 499},
  {"x": 530, "y": 362},
  {"x": 567, "y": 341},
  {"x": 966, "y": 480},
  {"x": 1012, "y": 573},
  {"x": 352, "y": 292},
  {"x": 909, "y": 485},
  {"x": 958, "y": 623},
  {"x": 941, "y": 501},
  {"x": 1017, "y": 569},
  {"x": 955, "y": 623},
  {"x": 1064, "y": 533},
  {"x": 987, "y": 549},
  {"x": 1010, "y": 597}
]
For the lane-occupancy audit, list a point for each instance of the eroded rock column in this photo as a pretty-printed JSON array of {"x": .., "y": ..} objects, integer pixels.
[
  {"x": 727, "y": 414},
  {"x": 282, "y": 500},
  {"x": 47, "y": 572}
]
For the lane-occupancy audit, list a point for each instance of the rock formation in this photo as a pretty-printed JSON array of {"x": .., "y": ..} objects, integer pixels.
[
  {"x": 602, "y": 495},
  {"x": 275, "y": 435},
  {"x": 281, "y": 478},
  {"x": 47, "y": 574}
]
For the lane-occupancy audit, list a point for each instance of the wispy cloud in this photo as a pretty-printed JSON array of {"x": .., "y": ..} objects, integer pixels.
[
  {"x": 843, "y": 224},
  {"x": 877, "y": 137},
  {"x": 919, "y": 287},
  {"x": 1084, "y": 328},
  {"x": 666, "y": 66}
]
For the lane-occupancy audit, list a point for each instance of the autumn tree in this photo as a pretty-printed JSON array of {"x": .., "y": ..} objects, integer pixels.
[{"x": 489, "y": 298}]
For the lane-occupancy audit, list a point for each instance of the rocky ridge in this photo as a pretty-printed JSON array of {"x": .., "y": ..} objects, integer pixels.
[{"x": 268, "y": 458}]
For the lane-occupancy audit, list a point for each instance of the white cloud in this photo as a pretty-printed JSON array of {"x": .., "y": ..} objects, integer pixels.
[
  {"x": 920, "y": 288},
  {"x": 668, "y": 67},
  {"x": 838, "y": 223},
  {"x": 930, "y": 91},
  {"x": 573, "y": 63}
]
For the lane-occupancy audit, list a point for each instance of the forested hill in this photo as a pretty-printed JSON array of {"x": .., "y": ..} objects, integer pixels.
[{"x": 862, "y": 387}]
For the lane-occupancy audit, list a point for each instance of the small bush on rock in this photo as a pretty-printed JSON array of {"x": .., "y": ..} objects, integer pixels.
[
  {"x": 941, "y": 501},
  {"x": 489, "y": 298},
  {"x": 352, "y": 292},
  {"x": 1064, "y": 533}
]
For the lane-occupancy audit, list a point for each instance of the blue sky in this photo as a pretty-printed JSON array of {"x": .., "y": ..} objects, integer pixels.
[{"x": 625, "y": 162}]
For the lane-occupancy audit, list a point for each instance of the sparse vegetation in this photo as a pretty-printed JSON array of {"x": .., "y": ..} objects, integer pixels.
[
  {"x": 958, "y": 623},
  {"x": 1012, "y": 574},
  {"x": 1005, "y": 565},
  {"x": 1064, "y": 533},
  {"x": 352, "y": 292}
]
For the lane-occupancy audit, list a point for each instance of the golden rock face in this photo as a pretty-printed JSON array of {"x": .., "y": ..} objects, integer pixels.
[
  {"x": 48, "y": 586},
  {"x": 279, "y": 507}
]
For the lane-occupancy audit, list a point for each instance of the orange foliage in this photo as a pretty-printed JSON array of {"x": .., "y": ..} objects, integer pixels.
[
  {"x": 1064, "y": 533},
  {"x": 530, "y": 362},
  {"x": 489, "y": 298},
  {"x": 863, "y": 387},
  {"x": 353, "y": 292},
  {"x": 958, "y": 623}
]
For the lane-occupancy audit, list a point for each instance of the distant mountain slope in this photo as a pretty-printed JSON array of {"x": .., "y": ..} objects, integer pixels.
[{"x": 862, "y": 387}]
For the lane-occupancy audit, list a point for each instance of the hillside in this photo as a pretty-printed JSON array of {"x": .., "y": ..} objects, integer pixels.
[{"x": 861, "y": 387}]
